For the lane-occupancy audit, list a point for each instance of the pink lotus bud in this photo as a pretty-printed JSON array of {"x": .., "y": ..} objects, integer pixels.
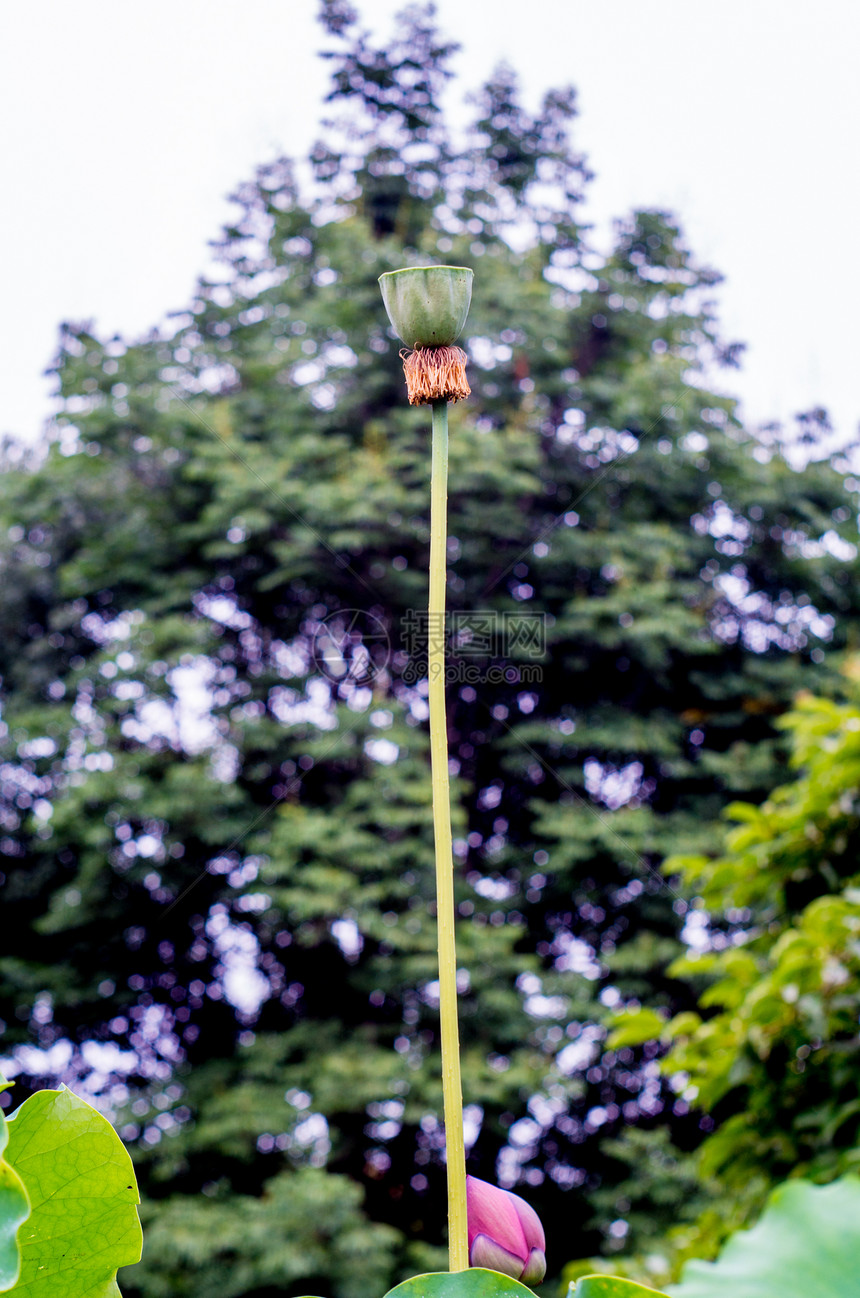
[{"x": 505, "y": 1233}]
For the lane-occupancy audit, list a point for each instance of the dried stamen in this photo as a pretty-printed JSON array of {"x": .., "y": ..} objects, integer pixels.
[{"x": 435, "y": 374}]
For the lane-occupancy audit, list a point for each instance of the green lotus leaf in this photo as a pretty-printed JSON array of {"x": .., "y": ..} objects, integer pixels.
[
  {"x": 476, "y": 1282},
  {"x": 610, "y": 1286},
  {"x": 79, "y": 1178},
  {"x": 807, "y": 1242},
  {"x": 14, "y": 1209}
]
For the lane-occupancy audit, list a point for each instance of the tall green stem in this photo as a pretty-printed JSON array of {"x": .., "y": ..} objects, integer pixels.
[{"x": 452, "y": 1096}]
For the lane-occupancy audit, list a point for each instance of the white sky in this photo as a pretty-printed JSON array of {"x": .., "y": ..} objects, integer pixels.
[{"x": 126, "y": 125}]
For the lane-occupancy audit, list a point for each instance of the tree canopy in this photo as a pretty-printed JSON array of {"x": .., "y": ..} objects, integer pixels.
[{"x": 214, "y": 780}]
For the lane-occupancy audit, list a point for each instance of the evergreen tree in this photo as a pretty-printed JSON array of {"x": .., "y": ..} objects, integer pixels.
[{"x": 217, "y": 842}]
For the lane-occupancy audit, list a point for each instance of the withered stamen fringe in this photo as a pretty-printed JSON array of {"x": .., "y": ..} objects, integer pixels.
[{"x": 435, "y": 374}]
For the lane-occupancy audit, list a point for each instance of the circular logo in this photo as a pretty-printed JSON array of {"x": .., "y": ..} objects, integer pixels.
[{"x": 351, "y": 645}]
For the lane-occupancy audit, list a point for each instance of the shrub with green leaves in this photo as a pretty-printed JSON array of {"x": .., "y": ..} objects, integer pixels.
[{"x": 771, "y": 1049}]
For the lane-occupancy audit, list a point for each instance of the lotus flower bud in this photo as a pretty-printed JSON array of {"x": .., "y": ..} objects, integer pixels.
[{"x": 505, "y": 1233}]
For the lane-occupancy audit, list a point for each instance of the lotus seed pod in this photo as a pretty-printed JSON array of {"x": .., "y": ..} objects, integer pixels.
[{"x": 427, "y": 305}]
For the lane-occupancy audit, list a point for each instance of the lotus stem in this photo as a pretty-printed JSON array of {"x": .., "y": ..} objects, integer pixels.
[
  {"x": 428, "y": 306},
  {"x": 452, "y": 1095}
]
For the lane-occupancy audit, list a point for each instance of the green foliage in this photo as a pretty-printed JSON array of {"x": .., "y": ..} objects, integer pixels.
[
  {"x": 807, "y": 1241},
  {"x": 307, "y": 1225},
  {"x": 234, "y": 912},
  {"x": 774, "y": 1047},
  {"x": 771, "y": 1049},
  {"x": 82, "y": 1221}
]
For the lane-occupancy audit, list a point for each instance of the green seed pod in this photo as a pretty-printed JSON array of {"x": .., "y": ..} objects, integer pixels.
[{"x": 427, "y": 305}]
